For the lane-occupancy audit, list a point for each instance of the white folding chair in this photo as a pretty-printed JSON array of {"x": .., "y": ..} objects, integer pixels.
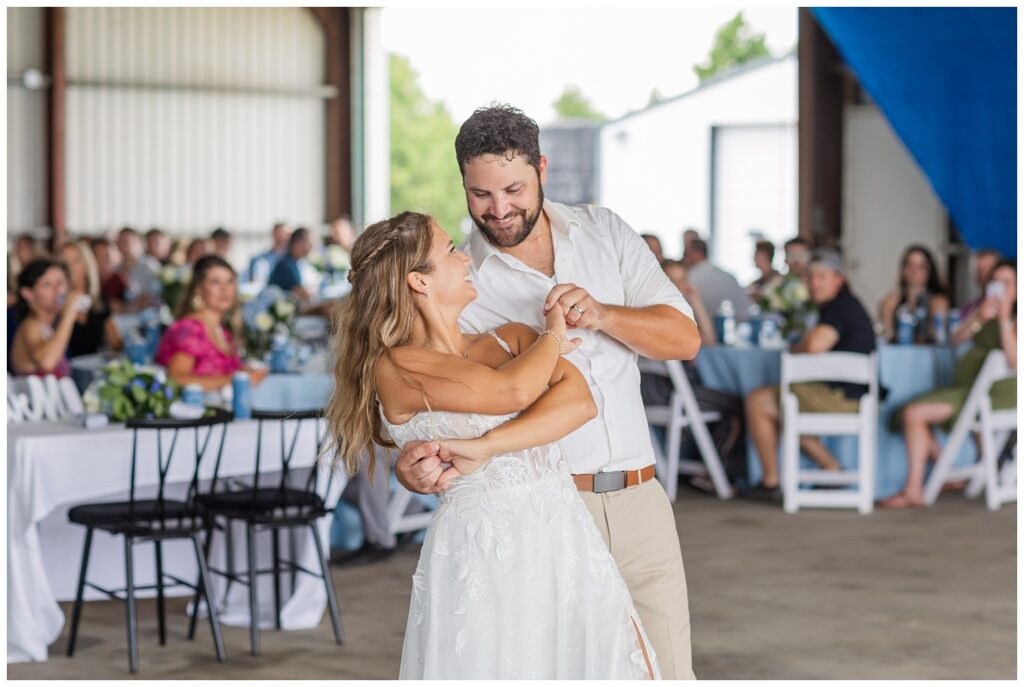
[
  {"x": 398, "y": 520},
  {"x": 833, "y": 367},
  {"x": 681, "y": 412},
  {"x": 994, "y": 428}
]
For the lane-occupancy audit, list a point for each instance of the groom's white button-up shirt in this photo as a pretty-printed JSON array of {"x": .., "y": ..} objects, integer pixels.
[{"x": 597, "y": 251}]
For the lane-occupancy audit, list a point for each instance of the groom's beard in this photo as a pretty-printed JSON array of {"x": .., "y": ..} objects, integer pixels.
[{"x": 517, "y": 232}]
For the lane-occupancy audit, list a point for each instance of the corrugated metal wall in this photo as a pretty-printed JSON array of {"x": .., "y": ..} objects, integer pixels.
[
  {"x": 188, "y": 118},
  {"x": 182, "y": 118},
  {"x": 26, "y": 123}
]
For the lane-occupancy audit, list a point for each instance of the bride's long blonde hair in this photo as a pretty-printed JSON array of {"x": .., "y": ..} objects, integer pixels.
[{"x": 376, "y": 317}]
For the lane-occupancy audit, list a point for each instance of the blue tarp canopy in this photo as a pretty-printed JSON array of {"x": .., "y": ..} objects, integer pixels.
[{"x": 946, "y": 79}]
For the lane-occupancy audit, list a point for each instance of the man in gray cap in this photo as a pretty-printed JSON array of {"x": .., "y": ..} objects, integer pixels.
[{"x": 843, "y": 325}]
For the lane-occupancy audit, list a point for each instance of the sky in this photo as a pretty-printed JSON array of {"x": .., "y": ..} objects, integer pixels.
[{"x": 468, "y": 57}]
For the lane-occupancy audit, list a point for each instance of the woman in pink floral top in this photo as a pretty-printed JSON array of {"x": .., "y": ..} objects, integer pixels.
[{"x": 199, "y": 348}]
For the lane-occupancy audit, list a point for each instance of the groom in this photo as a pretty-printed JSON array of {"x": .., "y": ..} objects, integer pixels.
[{"x": 530, "y": 255}]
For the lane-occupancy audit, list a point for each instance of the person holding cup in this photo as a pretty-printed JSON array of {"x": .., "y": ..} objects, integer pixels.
[
  {"x": 199, "y": 348},
  {"x": 94, "y": 327},
  {"x": 47, "y": 314},
  {"x": 994, "y": 326}
]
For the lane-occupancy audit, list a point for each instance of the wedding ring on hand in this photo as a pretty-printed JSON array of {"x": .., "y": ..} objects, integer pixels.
[{"x": 578, "y": 309}]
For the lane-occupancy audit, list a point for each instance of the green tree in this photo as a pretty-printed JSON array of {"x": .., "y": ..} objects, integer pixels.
[
  {"x": 572, "y": 104},
  {"x": 656, "y": 96},
  {"x": 735, "y": 43},
  {"x": 424, "y": 174}
]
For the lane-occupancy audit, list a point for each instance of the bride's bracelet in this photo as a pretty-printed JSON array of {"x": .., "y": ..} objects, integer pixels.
[{"x": 556, "y": 337}]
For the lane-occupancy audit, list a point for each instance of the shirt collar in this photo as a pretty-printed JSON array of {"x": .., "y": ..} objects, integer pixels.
[{"x": 560, "y": 217}]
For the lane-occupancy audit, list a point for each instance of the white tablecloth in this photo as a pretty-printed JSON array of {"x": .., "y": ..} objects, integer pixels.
[{"x": 54, "y": 466}]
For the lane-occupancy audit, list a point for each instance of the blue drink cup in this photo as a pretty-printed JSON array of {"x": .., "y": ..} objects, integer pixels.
[
  {"x": 137, "y": 351},
  {"x": 241, "y": 402}
]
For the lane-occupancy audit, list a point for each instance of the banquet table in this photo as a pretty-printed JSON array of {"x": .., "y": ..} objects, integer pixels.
[
  {"x": 905, "y": 370},
  {"x": 53, "y": 466}
]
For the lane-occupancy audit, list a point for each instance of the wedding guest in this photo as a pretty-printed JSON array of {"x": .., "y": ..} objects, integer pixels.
[
  {"x": 714, "y": 284},
  {"x": 108, "y": 264},
  {"x": 199, "y": 348},
  {"x": 47, "y": 312},
  {"x": 179, "y": 252},
  {"x": 287, "y": 274},
  {"x": 798, "y": 256},
  {"x": 371, "y": 497},
  {"x": 994, "y": 327},
  {"x": 221, "y": 240},
  {"x": 26, "y": 249},
  {"x": 764, "y": 254},
  {"x": 197, "y": 248},
  {"x": 142, "y": 287},
  {"x": 93, "y": 327},
  {"x": 689, "y": 235},
  {"x": 341, "y": 233},
  {"x": 158, "y": 249},
  {"x": 261, "y": 266},
  {"x": 677, "y": 273},
  {"x": 844, "y": 325},
  {"x": 983, "y": 262},
  {"x": 920, "y": 291},
  {"x": 654, "y": 243}
]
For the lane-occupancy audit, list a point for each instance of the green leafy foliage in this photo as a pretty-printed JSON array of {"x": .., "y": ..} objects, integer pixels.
[
  {"x": 125, "y": 391},
  {"x": 572, "y": 104},
  {"x": 424, "y": 174},
  {"x": 735, "y": 43}
]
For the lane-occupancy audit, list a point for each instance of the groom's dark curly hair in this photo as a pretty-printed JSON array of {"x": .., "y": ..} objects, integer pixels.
[{"x": 499, "y": 129}]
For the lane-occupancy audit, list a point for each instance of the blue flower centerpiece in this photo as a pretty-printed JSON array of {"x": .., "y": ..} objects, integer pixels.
[
  {"x": 123, "y": 390},
  {"x": 268, "y": 316}
]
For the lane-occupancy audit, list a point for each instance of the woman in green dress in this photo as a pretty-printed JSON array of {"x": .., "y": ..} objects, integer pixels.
[{"x": 993, "y": 325}]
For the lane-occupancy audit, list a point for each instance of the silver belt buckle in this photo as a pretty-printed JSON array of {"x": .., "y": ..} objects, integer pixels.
[{"x": 609, "y": 481}]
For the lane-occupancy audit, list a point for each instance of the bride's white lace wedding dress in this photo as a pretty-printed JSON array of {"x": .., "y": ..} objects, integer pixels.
[{"x": 514, "y": 580}]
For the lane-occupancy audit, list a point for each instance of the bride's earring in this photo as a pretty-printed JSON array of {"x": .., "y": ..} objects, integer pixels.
[
  {"x": 197, "y": 302},
  {"x": 427, "y": 292}
]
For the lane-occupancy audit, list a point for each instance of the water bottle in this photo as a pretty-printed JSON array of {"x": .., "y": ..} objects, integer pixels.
[
  {"x": 725, "y": 324},
  {"x": 150, "y": 321},
  {"x": 193, "y": 395},
  {"x": 906, "y": 323},
  {"x": 755, "y": 324},
  {"x": 939, "y": 328},
  {"x": 241, "y": 403},
  {"x": 136, "y": 349},
  {"x": 279, "y": 354}
]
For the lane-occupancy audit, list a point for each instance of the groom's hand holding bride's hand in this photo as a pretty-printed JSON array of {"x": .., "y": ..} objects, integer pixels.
[
  {"x": 468, "y": 455},
  {"x": 425, "y": 467},
  {"x": 578, "y": 307},
  {"x": 555, "y": 323}
]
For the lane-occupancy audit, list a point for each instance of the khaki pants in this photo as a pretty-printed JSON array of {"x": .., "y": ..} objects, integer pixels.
[{"x": 640, "y": 529}]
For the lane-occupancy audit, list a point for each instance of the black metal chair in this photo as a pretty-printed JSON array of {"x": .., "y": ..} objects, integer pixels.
[
  {"x": 290, "y": 503},
  {"x": 151, "y": 519}
]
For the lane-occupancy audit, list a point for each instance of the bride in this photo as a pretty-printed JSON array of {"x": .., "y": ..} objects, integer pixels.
[{"x": 514, "y": 580}]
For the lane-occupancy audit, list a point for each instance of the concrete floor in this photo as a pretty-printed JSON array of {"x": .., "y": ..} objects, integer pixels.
[{"x": 923, "y": 594}]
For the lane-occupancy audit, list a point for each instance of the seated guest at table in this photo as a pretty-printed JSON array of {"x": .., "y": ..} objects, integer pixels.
[
  {"x": 715, "y": 284},
  {"x": 341, "y": 233},
  {"x": 983, "y": 262},
  {"x": 371, "y": 498},
  {"x": 108, "y": 264},
  {"x": 197, "y": 248},
  {"x": 688, "y": 235},
  {"x": 995, "y": 327},
  {"x": 677, "y": 273},
  {"x": 798, "y": 256},
  {"x": 158, "y": 249},
  {"x": 764, "y": 254},
  {"x": 919, "y": 291},
  {"x": 142, "y": 287},
  {"x": 47, "y": 312},
  {"x": 199, "y": 348},
  {"x": 287, "y": 274},
  {"x": 220, "y": 239},
  {"x": 25, "y": 251},
  {"x": 843, "y": 325},
  {"x": 654, "y": 243},
  {"x": 261, "y": 266},
  {"x": 93, "y": 327}
]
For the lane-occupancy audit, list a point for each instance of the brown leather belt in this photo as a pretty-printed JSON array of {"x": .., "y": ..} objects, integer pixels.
[{"x": 602, "y": 482}]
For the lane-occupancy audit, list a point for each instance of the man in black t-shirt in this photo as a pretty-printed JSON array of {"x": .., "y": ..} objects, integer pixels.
[{"x": 843, "y": 325}]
